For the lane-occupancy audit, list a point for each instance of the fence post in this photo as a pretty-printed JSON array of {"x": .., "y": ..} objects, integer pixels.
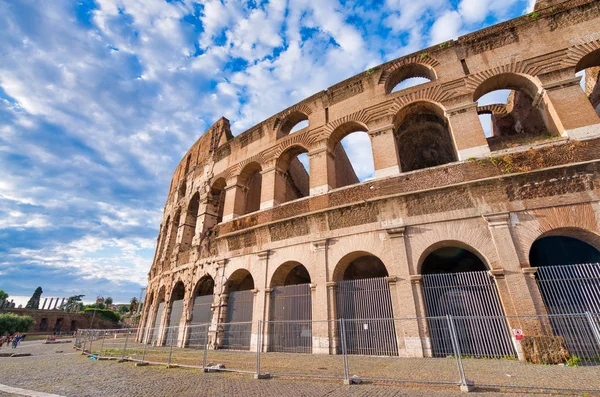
[
  {"x": 258, "y": 348},
  {"x": 91, "y": 342},
  {"x": 102, "y": 345},
  {"x": 342, "y": 334},
  {"x": 464, "y": 386},
  {"x": 145, "y": 347},
  {"x": 170, "y": 347},
  {"x": 125, "y": 345},
  {"x": 205, "y": 348},
  {"x": 595, "y": 330}
]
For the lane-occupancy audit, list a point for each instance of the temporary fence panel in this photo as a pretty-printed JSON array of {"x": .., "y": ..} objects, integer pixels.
[
  {"x": 157, "y": 320},
  {"x": 472, "y": 298},
  {"x": 201, "y": 315},
  {"x": 237, "y": 331},
  {"x": 368, "y": 300},
  {"x": 174, "y": 318},
  {"x": 571, "y": 289},
  {"x": 290, "y": 328}
]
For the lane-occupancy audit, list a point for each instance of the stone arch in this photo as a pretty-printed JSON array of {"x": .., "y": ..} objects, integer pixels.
[
  {"x": 163, "y": 237},
  {"x": 202, "y": 300},
  {"x": 204, "y": 286},
  {"x": 551, "y": 246},
  {"x": 450, "y": 244},
  {"x": 507, "y": 81},
  {"x": 423, "y": 136},
  {"x": 285, "y": 127},
  {"x": 344, "y": 170},
  {"x": 590, "y": 63},
  {"x": 589, "y": 60},
  {"x": 290, "y": 273},
  {"x": 191, "y": 217},
  {"x": 353, "y": 267},
  {"x": 408, "y": 71},
  {"x": 239, "y": 280},
  {"x": 292, "y": 178},
  {"x": 216, "y": 203},
  {"x": 343, "y": 130},
  {"x": 250, "y": 179}
]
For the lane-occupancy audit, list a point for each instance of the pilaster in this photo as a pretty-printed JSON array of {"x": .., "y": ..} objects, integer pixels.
[{"x": 385, "y": 151}]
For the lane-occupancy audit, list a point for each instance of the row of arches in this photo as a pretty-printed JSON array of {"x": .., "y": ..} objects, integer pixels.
[{"x": 455, "y": 282}]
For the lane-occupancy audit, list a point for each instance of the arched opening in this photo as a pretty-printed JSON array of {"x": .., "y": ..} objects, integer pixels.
[
  {"x": 189, "y": 227},
  {"x": 351, "y": 155},
  {"x": 202, "y": 313},
  {"x": 172, "y": 237},
  {"x": 73, "y": 327},
  {"x": 423, "y": 136},
  {"x": 508, "y": 112},
  {"x": 43, "y": 324},
  {"x": 216, "y": 204},
  {"x": 250, "y": 180},
  {"x": 175, "y": 313},
  {"x": 293, "y": 177},
  {"x": 158, "y": 313},
  {"x": 58, "y": 326},
  {"x": 568, "y": 278},
  {"x": 187, "y": 164},
  {"x": 182, "y": 189},
  {"x": 294, "y": 122},
  {"x": 163, "y": 236},
  {"x": 364, "y": 303},
  {"x": 409, "y": 76},
  {"x": 237, "y": 331},
  {"x": 290, "y": 306},
  {"x": 589, "y": 67},
  {"x": 456, "y": 283}
]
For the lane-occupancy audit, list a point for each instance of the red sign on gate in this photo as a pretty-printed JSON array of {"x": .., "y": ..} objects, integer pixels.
[{"x": 518, "y": 333}]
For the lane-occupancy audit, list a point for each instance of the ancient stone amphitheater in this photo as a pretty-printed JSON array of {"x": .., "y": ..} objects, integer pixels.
[{"x": 456, "y": 220}]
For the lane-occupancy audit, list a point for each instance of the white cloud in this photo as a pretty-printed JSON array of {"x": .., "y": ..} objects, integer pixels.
[{"x": 446, "y": 27}]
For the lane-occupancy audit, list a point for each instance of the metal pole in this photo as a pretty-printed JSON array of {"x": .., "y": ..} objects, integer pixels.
[
  {"x": 595, "y": 330},
  {"x": 170, "y": 348},
  {"x": 258, "y": 347},
  {"x": 102, "y": 345},
  {"x": 205, "y": 348},
  {"x": 91, "y": 341},
  {"x": 344, "y": 351},
  {"x": 125, "y": 346},
  {"x": 145, "y": 342},
  {"x": 456, "y": 346}
]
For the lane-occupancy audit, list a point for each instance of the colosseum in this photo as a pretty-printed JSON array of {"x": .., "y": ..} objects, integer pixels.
[{"x": 460, "y": 217}]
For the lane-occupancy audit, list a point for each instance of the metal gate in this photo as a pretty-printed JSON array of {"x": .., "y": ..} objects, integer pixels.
[
  {"x": 572, "y": 290},
  {"x": 472, "y": 298},
  {"x": 157, "y": 320},
  {"x": 366, "y": 307},
  {"x": 172, "y": 332},
  {"x": 290, "y": 327},
  {"x": 201, "y": 314},
  {"x": 238, "y": 328}
]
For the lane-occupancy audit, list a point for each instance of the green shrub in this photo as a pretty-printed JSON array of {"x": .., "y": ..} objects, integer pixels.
[
  {"x": 104, "y": 313},
  {"x": 11, "y": 323}
]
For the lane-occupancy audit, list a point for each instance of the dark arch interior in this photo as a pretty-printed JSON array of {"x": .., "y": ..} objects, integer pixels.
[
  {"x": 562, "y": 250},
  {"x": 367, "y": 266},
  {"x": 206, "y": 286},
  {"x": 297, "y": 275},
  {"x": 452, "y": 260},
  {"x": 178, "y": 292},
  {"x": 242, "y": 283},
  {"x": 424, "y": 139},
  {"x": 252, "y": 191}
]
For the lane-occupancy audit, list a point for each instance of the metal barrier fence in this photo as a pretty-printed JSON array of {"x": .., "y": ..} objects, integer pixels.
[{"x": 553, "y": 352}]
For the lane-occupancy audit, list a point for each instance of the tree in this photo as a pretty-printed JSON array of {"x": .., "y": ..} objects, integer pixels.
[
  {"x": 123, "y": 309},
  {"x": 34, "y": 302},
  {"x": 133, "y": 304},
  {"x": 73, "y": 303},
  {"x": 3, "y": 295},
  {"x": 11, "y": 323},
  {"x": 108, "y": 301}
]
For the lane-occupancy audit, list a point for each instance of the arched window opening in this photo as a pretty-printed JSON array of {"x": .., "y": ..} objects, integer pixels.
[
  {"x": 290, "y": 309},
  {"x": 409, "y": 76},
  {"x": 508, "y": 112},
  {"x": 293, "y": 177},
  {"x": 189, "y": 227},
  {"x": 589, "y": 68},
  {"x": 73, "y": 327},
  {"x": 251, "y": 181},
  {"x": 352, "y": 155},
  {"x": 456, "y": 283},
  {"x": 175, "y": 312},
  {"x": 216, "y": 204},
  {"x": 237, "y": 332},
  {"x": 158, "y": 313},
  {"x": 294, "y": 122},
  {"x": 44, "y": 324},
  {"x": 363, "y": 297},
  {"x": 182, "y": 189},
  {"x": 567, "y": 275},
  {"x": 187, "y": 164},
  {"x": 165, "y": 232},
  {"x": 423, "y": 136},
  {"x": 173, "y": 236}
]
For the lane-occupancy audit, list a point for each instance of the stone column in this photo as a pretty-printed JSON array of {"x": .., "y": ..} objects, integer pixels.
[
  {"x": 321, "y": 328},
  {"x": 467, "y": 132},
  {"x": 261, "y": 299},
  {"x": 234, "y": 200},
  {"x": 334, "y": 332},
  {"x": 570, "y": 109},
  {"x": 322, "y": 170},
  {"x": 515, "y": 295},
  {"x": 404, "y": 303},
  {"x": 385, "y": 151},
  {"x": 417, "y": 290},
  {"x": 272, "y": 190}
]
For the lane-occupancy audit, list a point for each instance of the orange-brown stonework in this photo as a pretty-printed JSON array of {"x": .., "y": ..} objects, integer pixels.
[{"x": 233, "y": 201}]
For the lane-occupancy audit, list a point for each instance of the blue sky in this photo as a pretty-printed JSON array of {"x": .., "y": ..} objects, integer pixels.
[{"x": 99, "y": 99}]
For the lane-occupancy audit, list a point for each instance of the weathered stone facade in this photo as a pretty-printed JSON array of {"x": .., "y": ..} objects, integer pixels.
[
  {"x": 51, "y": 321},
  {"x": 235, "y": 208}
]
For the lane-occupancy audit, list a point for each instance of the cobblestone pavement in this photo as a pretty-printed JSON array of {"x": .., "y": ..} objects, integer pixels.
[{"x": 71, "y": 374}]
